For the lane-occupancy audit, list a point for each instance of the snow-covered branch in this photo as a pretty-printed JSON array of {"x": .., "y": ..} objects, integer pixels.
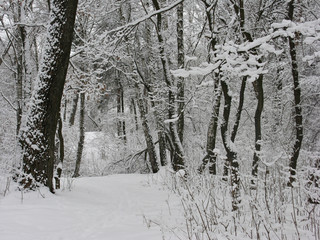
[
  {"x": 239, "y": 59},
  {"x": 142, "y": 19}
]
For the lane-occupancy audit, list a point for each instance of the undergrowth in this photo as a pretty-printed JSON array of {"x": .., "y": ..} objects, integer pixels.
[{"x": 270, "y": 210}]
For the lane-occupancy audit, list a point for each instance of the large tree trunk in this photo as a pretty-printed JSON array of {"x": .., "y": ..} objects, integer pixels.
[
  {"x": 37, "y": 139},
  {"x": 81, "y": 136},
  {"x": 297, "y": 101}
]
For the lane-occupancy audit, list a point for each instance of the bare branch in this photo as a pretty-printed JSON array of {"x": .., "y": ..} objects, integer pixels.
[{"x": 8, "y": 101}]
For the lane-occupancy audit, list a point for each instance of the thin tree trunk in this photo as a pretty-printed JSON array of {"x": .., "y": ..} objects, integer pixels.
[
  {"x": 20, "y": 62},
  {"x": 121, "y": 125},
  {"x": 74, "y": 109},
  {"x": 237, "y": 120},
  {"x": 180, "y": 84},
  {"x": 212, "y": 131},
  {"x": 19, "y": 92},
  {"x": 178, "y": 161},
  {"x": 150, "y": 74},
  {"x": 239, "y": 110},
  {"x": 231, "y": 154},
  {"x": 65, "y": 109},
  {"x": 38, "y": 138},
  {"x": 123, "y": 121},
  {"x": 81, "y": 136},
  {"x": 36, "y": 55},
  {"x": 149, "y": 141},
  {"x": 297, "y": 101},
  {"x": 159, "y": 119},
  {"x": 258, "y": 88},
  {"x": 61, "y": 154},
  {"x": 211, "y": 156},
  {"x": 134, "y": 109},
  {"x": 258, "y": 84}
]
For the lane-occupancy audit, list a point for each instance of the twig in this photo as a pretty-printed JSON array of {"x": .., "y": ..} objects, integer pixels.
[
  {"x": 142, "y": 19},
  {"x": 94, "y": 122},
  {"x": 8, "y": 101}
]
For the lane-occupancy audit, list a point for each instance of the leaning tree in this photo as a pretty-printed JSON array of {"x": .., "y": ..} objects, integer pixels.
[{"x": 37, "y": 138}]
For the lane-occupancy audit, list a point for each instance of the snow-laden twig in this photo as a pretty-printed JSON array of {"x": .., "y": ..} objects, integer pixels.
[{"x": 142, "y": 19}]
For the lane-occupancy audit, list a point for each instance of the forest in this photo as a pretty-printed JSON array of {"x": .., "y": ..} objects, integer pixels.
[{"x": 221, "y": 98}]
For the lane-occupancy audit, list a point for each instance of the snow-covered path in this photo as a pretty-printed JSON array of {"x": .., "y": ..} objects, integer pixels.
[{"x": 116, "y": 207}]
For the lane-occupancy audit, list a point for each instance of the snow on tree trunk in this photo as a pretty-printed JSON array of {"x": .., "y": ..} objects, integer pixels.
[
  {"x": 180, "y": 84},
  {"x": 81, "y": 137},
  {"x": 147, "y": 133},
  {"x": 232, "y": 161},
  {"x": 257, "y": 123},
  {"x": 211, "y": 155},
  {"x": 19, "y": 45},
  {"x": 74, "y": 109},
  {"x": 178, "y": 160},
  {"x": 37, "y": 138},
  {"x": 61, "y": 154},
  {"x": 297, "y": 101}
]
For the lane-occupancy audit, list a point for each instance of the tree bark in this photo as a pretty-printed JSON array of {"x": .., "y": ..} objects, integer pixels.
[
  {"x": 61, "y": 154},
  {"x": 149, "y": 141},
  {"x": 159, "y": 119},
  {"x": 297, "y": 101},
  {"x": 81, "y": 136},
  {"x": 211, "y": 156},
  {"x": 233, "y": 163},
  {"x": 20, "y": 61},
  {"x": 178, "y": 161},
  {"x": 258, "y": 88},
  {"x": 74, "y": 109},
  {"x": 37, "y": 139},
  {"x": 180, "y": 83},
  {"x": 134, "y": 110},
  {"x": 258, "y": 84},
  {"x": 121, "y": 125}
]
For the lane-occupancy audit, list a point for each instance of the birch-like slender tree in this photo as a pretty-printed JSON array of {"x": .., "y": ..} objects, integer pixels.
[{"x": 297, "y": 99}]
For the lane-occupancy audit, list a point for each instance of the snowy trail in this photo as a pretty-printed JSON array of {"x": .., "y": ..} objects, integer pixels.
[{"x": 99, "y": 208}]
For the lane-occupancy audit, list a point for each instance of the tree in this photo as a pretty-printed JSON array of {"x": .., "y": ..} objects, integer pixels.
[
  {"x": 211, "y": 156},
  {"x": 81, "y": 137},
  {"x": 297, "y": 100},
  {"x": 178, "y": 160},
  {"x": 38, "y": 137},
  {"x": 146, "y": 130},
  {"x": 180, "y": 84}
]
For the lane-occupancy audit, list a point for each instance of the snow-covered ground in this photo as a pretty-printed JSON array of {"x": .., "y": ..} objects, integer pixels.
[{"x": 115, "y": 207}]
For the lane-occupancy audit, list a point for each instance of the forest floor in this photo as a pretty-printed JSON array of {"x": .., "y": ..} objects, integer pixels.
[{"x": 115, "y": 207}]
